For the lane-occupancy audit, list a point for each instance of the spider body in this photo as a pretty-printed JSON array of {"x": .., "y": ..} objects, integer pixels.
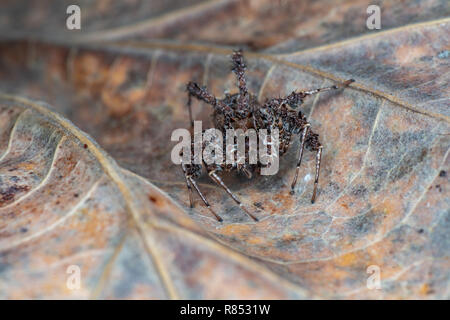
[{"x": 243, "y": 111}]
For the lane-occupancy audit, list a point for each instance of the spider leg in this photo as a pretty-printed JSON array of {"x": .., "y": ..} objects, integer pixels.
[
  {"x": 239, "y": 68},
  {"x": 299, "y": 161},
  {"x": 194, "y": 184},
  {"x": 296, "y": 98},
  {"x": 316, "y": 179},
  {"x": 219, "y": 181},
  {"x": 314, "y": 91},
  {"x": 194, "y": 90},
  {"x": 191, "y": 201},
  {"x": 191, "y": 119}
]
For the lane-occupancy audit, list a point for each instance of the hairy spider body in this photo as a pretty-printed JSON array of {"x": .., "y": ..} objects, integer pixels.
[{"x": 243, "y": 111}]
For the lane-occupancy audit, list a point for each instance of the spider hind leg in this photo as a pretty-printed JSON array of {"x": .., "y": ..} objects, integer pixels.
[
  {"x": 219, "y": 181},
  {"x": 310, "y": 140}
]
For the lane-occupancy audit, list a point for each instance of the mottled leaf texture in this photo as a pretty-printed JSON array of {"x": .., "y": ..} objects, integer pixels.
[{"x": 87, "y": 180}]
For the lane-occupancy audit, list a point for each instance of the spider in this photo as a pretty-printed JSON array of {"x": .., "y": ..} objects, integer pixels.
[{"x": 243, "y": 111}]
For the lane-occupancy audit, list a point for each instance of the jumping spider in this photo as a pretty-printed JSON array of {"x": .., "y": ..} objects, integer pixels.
[{"x": 243, "y": 111}]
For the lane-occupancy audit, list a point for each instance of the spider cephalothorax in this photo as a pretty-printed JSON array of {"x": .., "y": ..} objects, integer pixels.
[{"x": 243, "y": 111}]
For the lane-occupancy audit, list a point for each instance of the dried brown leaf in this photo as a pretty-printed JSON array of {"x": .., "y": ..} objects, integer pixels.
[{"x": 383, "y": 197}]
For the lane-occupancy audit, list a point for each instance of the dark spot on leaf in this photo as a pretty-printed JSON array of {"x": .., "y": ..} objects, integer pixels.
[
  {"x": 359, "y": 190},
  {"x": 408, "y": 163},
  {"x": 156, "y": 200},
  {"x": 9, "y": 193},
  {"x": 426, "y": 58},
  {"x": 363, "y": 225},
  {"x": 444, "y": 54},
  {"x": 258, "y": 205}
]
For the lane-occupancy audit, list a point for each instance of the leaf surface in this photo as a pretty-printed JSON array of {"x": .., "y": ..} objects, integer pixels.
[{"x": 383, "y": 197}]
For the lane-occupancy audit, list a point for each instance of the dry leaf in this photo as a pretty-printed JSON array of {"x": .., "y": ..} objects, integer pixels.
[{"x": 383, "y": 197}]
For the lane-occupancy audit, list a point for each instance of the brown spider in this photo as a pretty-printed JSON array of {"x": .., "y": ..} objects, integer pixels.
[{"x": 243, "y": 111}]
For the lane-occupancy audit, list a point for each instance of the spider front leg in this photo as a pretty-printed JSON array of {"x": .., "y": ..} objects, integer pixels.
[
  {"x": 296, "y": 98},
  {"x": 194, "y": 90},
  {"x": 334, "y": 87},
  {"x": 191, "y": 119},
  {"x": 213, "y": 175},
  {"x": 239, "y": 68}
]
